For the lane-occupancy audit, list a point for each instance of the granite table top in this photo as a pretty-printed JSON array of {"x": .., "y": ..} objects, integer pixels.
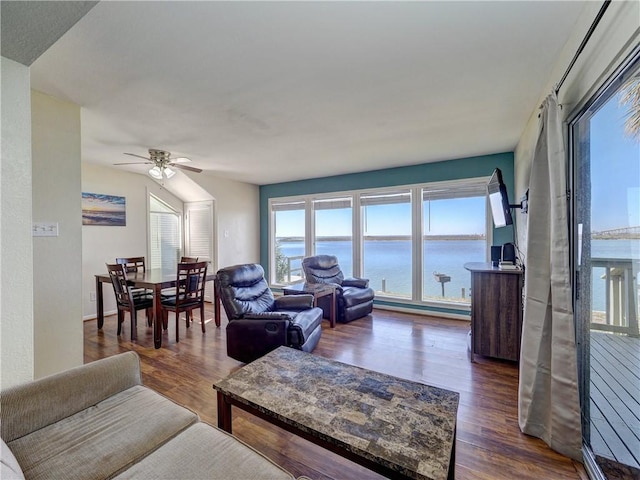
[{"x": 406, "y": 426}]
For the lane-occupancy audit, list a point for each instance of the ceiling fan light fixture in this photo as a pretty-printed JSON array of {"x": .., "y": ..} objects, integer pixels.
[
  {"x": 156, "y": 173},
  {"x": 161, "y": 161}
]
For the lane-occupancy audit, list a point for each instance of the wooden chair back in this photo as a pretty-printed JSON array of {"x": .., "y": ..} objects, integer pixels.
[
  {"x": 132, "y": 264},
  {"x": 118, "y": 275},
  {"x": 191, "y": 283},
  {"x": 189, "y": 294},
  {"x": 188, "y": 259},
  {"x": 125, "y": 298}
]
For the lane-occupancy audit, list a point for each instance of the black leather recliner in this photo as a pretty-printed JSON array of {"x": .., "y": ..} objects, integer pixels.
[
  {"x": 354, "y": 297},
  {"x": 258, "y": 322}
]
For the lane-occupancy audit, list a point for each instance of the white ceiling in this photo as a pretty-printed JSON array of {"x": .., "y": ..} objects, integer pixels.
[{"x": 266, "y": 92}]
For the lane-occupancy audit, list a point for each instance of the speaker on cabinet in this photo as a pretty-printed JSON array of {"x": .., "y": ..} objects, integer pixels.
[
  {"x": 509, "y": 253},
  {"x": 496, "y": 253}
]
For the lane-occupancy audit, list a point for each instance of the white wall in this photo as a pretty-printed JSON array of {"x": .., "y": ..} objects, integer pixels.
[
  {"x": 102, "y": 244},
  {"x": 56, "y": 260},
  {"x": 614, "y": 38},
  {"x": 238, "y": 219},
  {"x": 16, "y": 259}
]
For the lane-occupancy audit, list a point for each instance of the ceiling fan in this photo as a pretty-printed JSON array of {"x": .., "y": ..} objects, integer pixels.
[{"x": 162, "y": 163}]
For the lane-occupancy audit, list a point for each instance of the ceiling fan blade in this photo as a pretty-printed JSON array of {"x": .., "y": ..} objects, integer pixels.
[
  {"x": 186, "y": 167},
  {"x": 139, "y": 156},
  {"x": 134, "y": 163}
]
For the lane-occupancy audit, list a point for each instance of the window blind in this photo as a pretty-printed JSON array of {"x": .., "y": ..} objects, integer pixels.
[
  {"x": 164, "y": 235},
  {"x": 472, "y": 187},
  {"x": 281, "y": 207},
  {"x": 386, "y": 198},
  {"x": 200, "y": 232},
  {"x": 332, "y": 203}
]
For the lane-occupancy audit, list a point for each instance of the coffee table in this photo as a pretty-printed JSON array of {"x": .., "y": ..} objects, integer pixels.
[
  {"x": 398, "y": 428},
  {"x": 317, "y": 290}
]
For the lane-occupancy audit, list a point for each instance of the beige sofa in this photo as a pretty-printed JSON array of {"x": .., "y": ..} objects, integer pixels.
[{"x": 98, "y": 421}]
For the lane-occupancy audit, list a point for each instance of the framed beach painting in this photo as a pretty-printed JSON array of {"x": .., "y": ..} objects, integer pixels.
[{"x": 106, "y": 210}]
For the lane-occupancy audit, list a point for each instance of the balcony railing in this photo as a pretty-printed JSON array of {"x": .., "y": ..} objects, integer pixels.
[
  {"x": 621, "y": 296},
  {"x": 292, "y": 271}
]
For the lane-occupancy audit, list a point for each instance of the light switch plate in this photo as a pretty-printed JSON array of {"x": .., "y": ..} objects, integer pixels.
[{"x": 45, "y": 229}]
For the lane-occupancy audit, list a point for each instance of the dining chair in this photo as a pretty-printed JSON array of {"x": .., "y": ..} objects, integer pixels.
[
  {"x": 134, "y": 265},
  {"x": 189, "y": 295},
  {"x": 125, "y": 299},
  {"x": 170, "y": 292}
]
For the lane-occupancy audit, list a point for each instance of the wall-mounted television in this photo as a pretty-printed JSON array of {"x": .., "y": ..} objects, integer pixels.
[{"x": 499, "y": 200}]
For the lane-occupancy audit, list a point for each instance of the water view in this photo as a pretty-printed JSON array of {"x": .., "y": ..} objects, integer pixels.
[{"x": 387, "y": 264}]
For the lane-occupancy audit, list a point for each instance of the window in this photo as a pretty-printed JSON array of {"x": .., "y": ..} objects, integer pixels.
[
  {"x": 164, "y": 234},
  {"x": 386, "y": 234},
  {"x": 397, "y": 238},
  {"x": 198, "y": 231},
  {"x": 454, "y": 223},
  {"x": 289, "y": 238},
  {"x": 333, "y": 231}
]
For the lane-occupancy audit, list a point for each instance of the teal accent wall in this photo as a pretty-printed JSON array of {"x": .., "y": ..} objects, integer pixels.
[{"x": 391, "y": 177}]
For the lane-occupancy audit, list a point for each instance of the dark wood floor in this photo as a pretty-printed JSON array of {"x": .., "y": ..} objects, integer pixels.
[
  {"x": 425, "y": 349},
  {"x": 615, "y": 397}
]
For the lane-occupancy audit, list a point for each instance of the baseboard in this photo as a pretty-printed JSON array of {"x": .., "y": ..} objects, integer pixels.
[
  {"x": 423, "y": 312},
  {"x": 94, "y": 316}
]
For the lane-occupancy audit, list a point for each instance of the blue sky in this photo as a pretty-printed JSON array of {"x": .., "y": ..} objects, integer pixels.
[
  {"x": 457, "y": 216},
  {"x": 615, "y": 170}
]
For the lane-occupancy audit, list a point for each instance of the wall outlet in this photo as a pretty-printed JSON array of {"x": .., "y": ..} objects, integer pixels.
[{"x": 92, "y": 296}]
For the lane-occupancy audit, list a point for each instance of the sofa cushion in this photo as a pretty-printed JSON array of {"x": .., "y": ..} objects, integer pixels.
[
  {"x": 9, "y": 467},
  {"x": 104, "y": 439},
  {"x": 34, "y": 405},
  {"x": 205, "y": 452}
]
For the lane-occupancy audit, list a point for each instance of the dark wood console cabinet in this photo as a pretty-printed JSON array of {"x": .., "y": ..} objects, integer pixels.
[{"x": 496, "y": 311}]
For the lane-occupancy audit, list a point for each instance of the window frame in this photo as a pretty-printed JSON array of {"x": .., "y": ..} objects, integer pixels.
[
  {"x": 349, "y": 200},
  {"x": 357, "y": 229},
  {"x": 470, "y": 188},
  {"x": 400, "y": 191}
]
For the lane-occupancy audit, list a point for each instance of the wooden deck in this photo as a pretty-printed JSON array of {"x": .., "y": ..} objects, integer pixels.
[{"x": 615, "y": 397}]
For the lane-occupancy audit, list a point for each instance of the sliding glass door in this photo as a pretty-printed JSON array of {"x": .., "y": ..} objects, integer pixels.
[{"x": 606, "y": 161}]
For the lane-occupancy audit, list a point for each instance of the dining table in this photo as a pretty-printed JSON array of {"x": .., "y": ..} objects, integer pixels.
[{"x": 155, "y": 279}]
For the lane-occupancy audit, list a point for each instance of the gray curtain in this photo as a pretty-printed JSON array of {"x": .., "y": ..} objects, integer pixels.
[{"x": 548, "y": 401}]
